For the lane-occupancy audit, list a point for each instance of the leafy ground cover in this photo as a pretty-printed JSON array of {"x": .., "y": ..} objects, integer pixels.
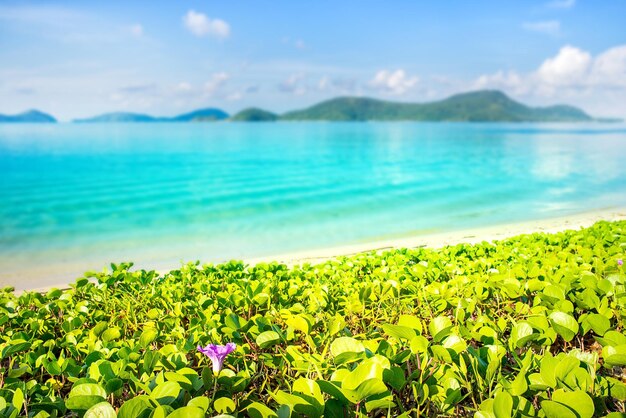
[{"x": 530, "y": 326}]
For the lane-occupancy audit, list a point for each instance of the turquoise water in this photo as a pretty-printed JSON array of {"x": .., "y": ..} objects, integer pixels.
[{"x": 76, "y": 197}]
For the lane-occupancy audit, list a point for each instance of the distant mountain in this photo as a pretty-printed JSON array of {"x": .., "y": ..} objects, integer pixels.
[
  {"x": 119, "y": 117},
  {"x": 201, "y": 115},
  {"x": 254, "y": 114},
  {"x": 30, "y": 116},
  {"x": 479, "y": 106}
]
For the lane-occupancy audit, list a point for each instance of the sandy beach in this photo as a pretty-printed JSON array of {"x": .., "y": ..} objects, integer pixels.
[
  {"x": 436, "y": 240},
  {"x": 470, "y": 236}
]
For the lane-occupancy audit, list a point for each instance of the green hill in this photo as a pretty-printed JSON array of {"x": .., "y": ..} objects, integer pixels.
[
  {"x": 116, "y": 117},
  {"x": 30, "y": 116},
  {"x": 479, "y": 106},
  {"x": 200, "y": 115},
  {"x": 254, "y": 114}
]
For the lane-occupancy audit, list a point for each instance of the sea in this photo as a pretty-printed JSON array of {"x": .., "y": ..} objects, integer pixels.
[{"x": 77, "y": 197}]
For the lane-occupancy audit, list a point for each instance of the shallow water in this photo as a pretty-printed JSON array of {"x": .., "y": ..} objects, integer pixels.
[{"x": 76, "y": 197}]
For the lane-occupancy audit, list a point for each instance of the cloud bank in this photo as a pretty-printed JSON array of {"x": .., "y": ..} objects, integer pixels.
[{"x": 201, "y": 25}]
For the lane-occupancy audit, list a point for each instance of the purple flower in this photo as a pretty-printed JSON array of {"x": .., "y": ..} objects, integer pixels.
[
  {"x": 217, "y": 354},
  {"x": 620, "y": 262}
]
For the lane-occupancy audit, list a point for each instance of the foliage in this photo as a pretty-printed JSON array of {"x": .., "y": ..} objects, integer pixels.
[
  {"x": 200, "y": 115},
  {"x": 254, "y": 114},
  {"x": 30, "y": 116},
  {"x": 484, "y": 106},
  {"x": 530, "y": 326}
]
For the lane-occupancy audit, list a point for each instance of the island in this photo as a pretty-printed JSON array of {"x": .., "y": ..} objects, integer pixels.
[
  {"x": 30, "y": 116},
  {"x": 200, "y": 115},
  {"x": 476, "y": 106},
  {"x": 254, "y": 114},
  {"x": 479, "y": 106}
]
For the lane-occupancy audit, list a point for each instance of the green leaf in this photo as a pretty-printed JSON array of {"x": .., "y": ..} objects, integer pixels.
[
  {"x": 114, "y": 384},
  {"x": 503, "y": 405},
  {"x": 267, "y": 339},
  {"x": 565, "y": 366},
  {"x": 440, "y": 327},
  {"x": 87, "y": 389},
  {"x": 548, "y": 370},
  {"x": 419, "y": 344},
  {"x": 578, "y": 401},
  {"x": 161, "y": 411},
  {"x": 83, "y": 402},
  {"x": 147, "y": 336},
  {"x": 614, "y": 356},
  {"x": 18, "y": 399},
  {"x": 521, "y": 333},
  {"x": 299, "y": 323},
  {"x": 371, "y": 368},
  {"x": 111, "y": 334},
  {"x": 165, "y": 393},
  {"x": 15, "y": 346},
  {"x": 187, "y": 412},
  {"x": 233, "y": 321},
  {"x": 384, "y": 402},
  {"x": 346, "y": 349},
  {"x": 394, "y": 377},
  {"x": 399, "y": 332},
  {"x": 224, "y": 405},
  {"x": 600, "y": 324},
  {"x": 557, "y": 410},
  {"x": 137, "y": 407},
  {"x": 201, "y": 402},
  {"x": 336, "y": 324},
  {"x": 411, "y": 321},
  {"x": 308, "y": 387},
  {"x": 519, "y": 385},
  {"x": 564, "y": 324},
  {"x": 101, "y": 410},
  {"x": 284, "y": 411},
  {"x": 258, "y": 410},
  {"x": 366, "y": 389}
]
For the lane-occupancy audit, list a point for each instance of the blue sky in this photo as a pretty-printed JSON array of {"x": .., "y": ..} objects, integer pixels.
[{"x": 79, "y": 58}]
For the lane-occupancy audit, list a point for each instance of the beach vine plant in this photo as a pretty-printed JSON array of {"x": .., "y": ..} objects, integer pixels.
[{"x": 531, "y": 326}]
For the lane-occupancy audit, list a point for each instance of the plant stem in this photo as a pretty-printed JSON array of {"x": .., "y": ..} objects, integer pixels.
[{"x": 215, "y": 376}]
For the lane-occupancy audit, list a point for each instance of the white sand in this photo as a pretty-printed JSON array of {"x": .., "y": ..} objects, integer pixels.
[
  {"x": 474, "y": 235},
  {"x": 470, "y": 236}
]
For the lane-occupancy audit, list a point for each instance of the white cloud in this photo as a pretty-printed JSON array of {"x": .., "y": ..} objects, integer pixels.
[
  {"x": 561, "y": 4},
  {"x": 217, "y": 81},
  {"x": 509, "y": 80},
  {"x": 200, "y": 25},
  {"x": 394, "y": 82},
  {"x": 183, "y": 87},
  {"x": 548, "y": 27},
  {"x": 609, "y": 68},
  {"x": 597, "y": 84},
  {"x": 338, "y": 85},
  {"x": 568, "y": 67},
  {"x": 323, "y": 83},
  {"x": 293, "y": 84}
]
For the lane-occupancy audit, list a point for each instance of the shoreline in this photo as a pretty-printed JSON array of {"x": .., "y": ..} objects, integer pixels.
[
  {"x": 492, "y": 233},
  {"x": 433, "y": 240}
]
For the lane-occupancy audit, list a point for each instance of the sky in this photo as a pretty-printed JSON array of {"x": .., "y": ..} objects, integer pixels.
[{"x": 76, "y": 59}]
